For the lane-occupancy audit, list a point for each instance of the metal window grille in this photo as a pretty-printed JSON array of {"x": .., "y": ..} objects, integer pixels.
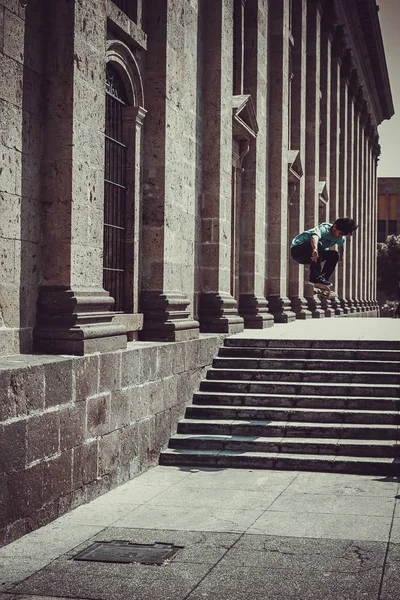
[{"x": 114, "y": 191}]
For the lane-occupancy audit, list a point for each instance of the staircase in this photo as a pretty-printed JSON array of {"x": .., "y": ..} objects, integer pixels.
[{"x": 295, "y": 404}]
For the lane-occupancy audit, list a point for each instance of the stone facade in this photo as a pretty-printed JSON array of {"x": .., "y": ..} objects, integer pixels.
[{"x": 157, "y": 159}]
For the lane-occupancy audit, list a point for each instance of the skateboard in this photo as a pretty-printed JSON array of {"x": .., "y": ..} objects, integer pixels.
[{"x": 324, "y": 291}]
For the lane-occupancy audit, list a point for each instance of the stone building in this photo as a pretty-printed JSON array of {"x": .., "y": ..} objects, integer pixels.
[
  {"x": 157, "y": 158},
  {"x": 388, "y": 207}
]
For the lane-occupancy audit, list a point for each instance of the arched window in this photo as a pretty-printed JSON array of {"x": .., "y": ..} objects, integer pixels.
[{"x": 114, "y": 261}]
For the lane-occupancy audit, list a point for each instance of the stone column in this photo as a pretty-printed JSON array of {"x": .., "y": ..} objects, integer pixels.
[
  {"x": 297, "y": 148},
  {"x": 374, "y": 192},
  {"x": 277, "y": 252},
  {"x": 343, "y": 157},
  {"x": 334, "y": 134},
  {"x": 217, "y": 307},
  {"x": 74, "y": 315},
  {"x": 313, "y": 89},
  {"x": 169, "y": 209},
  {"x": 363, "y": 244},
  {"x": 325, "y": 126},
  {"x": 356, "y": 200},
  {"x": 349, "y": 200},
  {"x": 253, "y": 306}
]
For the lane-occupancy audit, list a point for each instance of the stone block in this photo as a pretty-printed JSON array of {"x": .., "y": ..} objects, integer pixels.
[
  {"x": 85, "y": 377},
  {"x": 170, "y": 391},
  {"x": 192, "y": 355},
  {"x": 139, "y": 403},
  {"x": 14, "y": 34},
  {"x": 43, "y": 434},
  {"x": 57, "y": 477},
  {"x": 98, "y": 415},
  {"x": 26, "y": 490},
  {"x": 156, "y": 397},
  {"x": 129, "y": 443},
  {"x": 165, "y": 360},
  {"x": 72, "y": 426},
  {"x": 12, "y": 446},
  {"x": 148, "y": 364},
  {"x": 25, "y": 390},
  {"x": 119, "y": 411},
  {"x": 7, "y": 257},
  {"x": 11, "y": 78},
  {"x": 58, "y": 376},
  {"x": 109, "y": 453},
  {"x": 130, "y": 367},
  {"x": 110, "y": 371},
  {"x": 178, "y": 357},
  {"x": 84, "y": 468},
  {"x": 160, "y": 432},
  {"x": 5, "y": 509}
]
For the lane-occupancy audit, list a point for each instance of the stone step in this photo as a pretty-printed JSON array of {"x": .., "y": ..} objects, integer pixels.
[
  {"x": 288, "y": 429},
  {"x": 300, "y": 388},
  {"x": 294, "y": 462},
  {"x": 295, "y": 401},
  {"x": 293, "y": 375},
  {"x": 335, "y": 446},
  {"x": 314, "y": 415},
  {"x": 307, "y": 364},
  {"x": 242, "y": 342},
  {"x": 311, "y": 353}
]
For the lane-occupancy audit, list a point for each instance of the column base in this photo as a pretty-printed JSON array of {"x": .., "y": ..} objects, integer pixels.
[
  {"x": 299, "y": 307},
  {"x": 254, "y": 311},
  {"x": 280, "y": 308},
  {"x": 76, "y": 321},
  {"x": 166, "y": 318},
  {"x": 218, "y": 314}
]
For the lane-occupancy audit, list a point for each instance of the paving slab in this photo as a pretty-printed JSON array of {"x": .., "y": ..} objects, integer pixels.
[
  {"x": 348, "y": 328},
  {"x": 338, "y": 484},
  {"x": 214, "y": 517},
  {"x": 333, "y": 504},
  {"x": 314, "y": 525}
]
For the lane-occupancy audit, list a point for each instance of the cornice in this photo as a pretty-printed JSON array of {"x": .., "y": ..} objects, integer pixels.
[{"x": 358, "y": 18}]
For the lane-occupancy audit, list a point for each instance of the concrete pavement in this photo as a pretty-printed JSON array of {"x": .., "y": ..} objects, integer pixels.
[{"x": 244, "y": 534}]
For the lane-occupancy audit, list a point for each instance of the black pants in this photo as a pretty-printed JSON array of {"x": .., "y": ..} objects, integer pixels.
[{"x": 302, "y": 254}]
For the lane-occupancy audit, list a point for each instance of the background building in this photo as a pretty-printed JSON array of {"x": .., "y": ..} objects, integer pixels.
[
  {"x": 388, "y": 207},
  {"x": 157, "y": 159}
]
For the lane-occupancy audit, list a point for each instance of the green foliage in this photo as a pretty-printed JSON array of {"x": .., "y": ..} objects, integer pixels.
[{"x": 389, "y": 266}]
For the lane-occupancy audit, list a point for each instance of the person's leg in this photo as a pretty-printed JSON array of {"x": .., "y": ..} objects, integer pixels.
[
  {"x": 331, "y": 258},
  {"x": 302, "y": 254}
]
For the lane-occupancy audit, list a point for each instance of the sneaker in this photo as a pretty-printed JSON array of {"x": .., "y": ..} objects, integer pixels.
[{"x": 321, "y": 280}]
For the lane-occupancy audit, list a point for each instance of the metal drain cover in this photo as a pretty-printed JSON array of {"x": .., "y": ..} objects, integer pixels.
[{"x": 127, "y": 552}]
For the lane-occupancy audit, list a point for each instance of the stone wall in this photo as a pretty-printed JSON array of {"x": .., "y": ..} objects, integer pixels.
[
  {"x": 73, "y": 428},
  {"x": 21, "y": 147}
]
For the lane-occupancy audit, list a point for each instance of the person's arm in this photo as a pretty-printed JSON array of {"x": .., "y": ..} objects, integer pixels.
[
  {"x": 340, "y": 250},
  {"x": 314, "y": 246}
]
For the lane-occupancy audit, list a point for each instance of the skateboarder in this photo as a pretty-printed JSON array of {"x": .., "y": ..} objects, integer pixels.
[{"x": 312, "y": 248}]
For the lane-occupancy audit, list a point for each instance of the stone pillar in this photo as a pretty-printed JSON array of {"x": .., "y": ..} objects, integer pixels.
[
  {"x": 313, "y": 90},
  {"x": 324, "y": 132},
  {"x": 334, "y": 148},
  {"x": 374, "y": 191},
  {"x": 278, "y": 242},
  {"x": 169, "y": 210},
  {"x": 74, "y": 315},
  {"x": 297, "y": 148},
  {"x": 343, "y": 158},
  {"x": 363, "y": 241},
  {"x": 349, "y": 200},
  {"x": 253, "y": 306},
  {"x": 356, "y": 200},
  {"x": 217, "y": 307}
]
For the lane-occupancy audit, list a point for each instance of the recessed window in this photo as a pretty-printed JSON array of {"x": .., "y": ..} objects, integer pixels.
[
  {"x": 115, "y": 191},
  {"x": 129, "y": 7}
]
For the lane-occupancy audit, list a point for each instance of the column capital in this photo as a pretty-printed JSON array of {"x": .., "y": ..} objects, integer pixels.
[
  {"x": 359, "y": 100},
  {"x": 347, "y": 66}
]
